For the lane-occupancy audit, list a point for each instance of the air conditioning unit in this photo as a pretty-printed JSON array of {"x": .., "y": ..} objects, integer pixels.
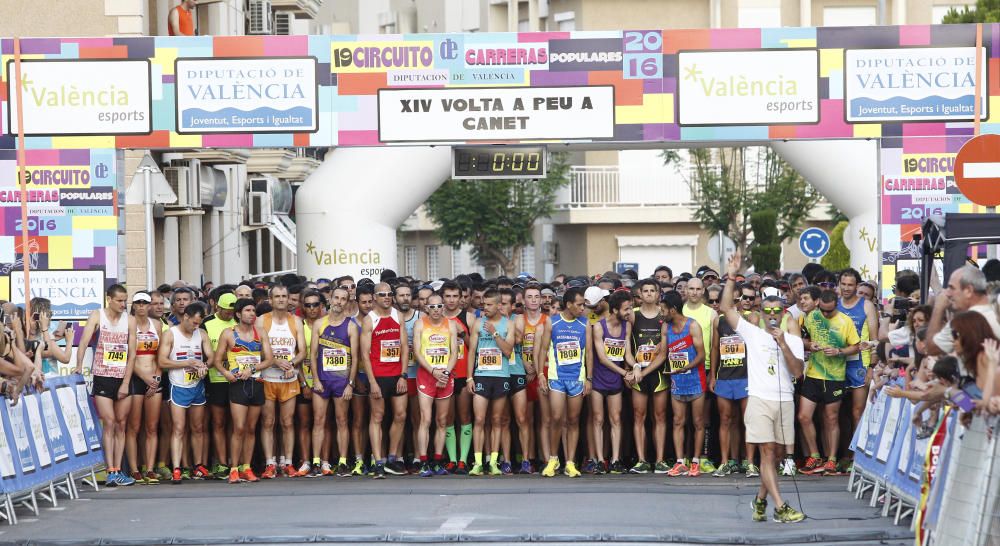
[
  {"x": 267, "y": 197},
  {"x": 551, "y": 252},
  {"x": 283, "y": 22},
  {"x": 182, "y": 176},
  {"x": 259, "y": 13}
]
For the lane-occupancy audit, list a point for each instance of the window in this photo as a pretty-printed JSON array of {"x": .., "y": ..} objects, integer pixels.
[
  {"x": 565, "y": 21},
  {"x": 456, "y": 261},
  {"x": 759, "y": 14},
  {"x": 528, "y": 260},
  {"x": 854, "y": 16},
  {"x": 433, "y": 270},
  {"x": 410, "y": 260}
]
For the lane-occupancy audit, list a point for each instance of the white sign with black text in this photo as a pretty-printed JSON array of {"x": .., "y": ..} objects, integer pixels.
[
  {"x": 74, "y": 294},
  {"x": 504, "y": 113}
]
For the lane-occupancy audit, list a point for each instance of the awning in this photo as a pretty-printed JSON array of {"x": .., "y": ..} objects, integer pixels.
[
  {"x": 283, "y": 230},
  {"x": 657, "y": 240}
]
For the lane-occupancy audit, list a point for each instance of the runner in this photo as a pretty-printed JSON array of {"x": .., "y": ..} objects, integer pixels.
[
  {"x": 864, "y": 315},
  {"x": 706, "y": 316},
  {"x": 217, "y": 388},
  {"x": 647, "y": 377},
  {"x": 451, "y": 293},
  {"x": 569, "y": 377},
  {"x": 281, "y": 380},
  {"x": 182, "y": 352},
  {"x": 241, "y": 355},
  {"x": 518, "y": 380},
  {"x": 729, "y": 383},
  {"x": 312, "y": 310},
  {"x": 403, "y": 297},
  {"x": 335, "y": 343},
  {"x": 384, "y": 351},
  {"x": 363, "y": 301},
  {"x": 434, "y": 344},
  {"x": 493, "y": 338},
  {"x": 145, "y": 391},
  {"x": 112, "y": 373},
  {"x": 529, "y": 327},
  {"x": 594, "y": 299},
  {"x": 614, "y": 363},
  {"x": 685, "y": 354}
]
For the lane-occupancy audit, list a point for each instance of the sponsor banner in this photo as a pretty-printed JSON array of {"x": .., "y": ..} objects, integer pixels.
[
  {"x": 904, "y": 209},
  {"x": 473, "y": 114},
  {"x": 417, "y": 78},
  {"x": 766, "y": 87},
  {"x": 92, "y": 197},
  {"x": 246, "y": 95},
  {"x": 913, "y": 84},
  {"x": 907, "y": 185},
  {"x": 942, "y": 164},
  {"x": 492, "y": 76},
  {"x": 354, "y": 57},
  {"x": 585, "y": 54},
  {"x": 82, "y": 97},
  {"x": 74, "y": 294},
  {"x": 531, "y": 55}
]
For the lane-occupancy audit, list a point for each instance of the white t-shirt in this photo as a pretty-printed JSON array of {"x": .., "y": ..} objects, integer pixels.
[{"x": 767, "y": 372}]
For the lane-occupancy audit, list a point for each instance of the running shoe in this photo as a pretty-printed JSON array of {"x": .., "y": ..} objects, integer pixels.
[
  {"x": 495, "y": 469},
  {"x": 787, "y": 467},
  {"x": 425, "y": 471},
  {"x": 726, "y": 469},
  {"x": 661, "y": 467},
  {"x": 176, "y": 477},
  {"x": 439, "y": 469},
  {"x": 290, "y": 471},
  {"x": 617, "y": 468},
  {"x": 707, "y": 466},
  {"x": 124, "y": 479},
  {"x": 234, "y": 475},
  {"x": 451, "y": 467},
  {"x": 137, "y": 476},
  {"x": 829, "y": 469},
  {"x": 641, "y": 467},
  {"x": 550, "y": 469},
  {"x": 343, "y": 470},
  {"x": 163, "y": 472},
  {"x": 679, "y": 469},
  {"x": 186, "y": 473},
  {"x": 111, "y": 480},
  {"x": 304, "y": 471},
  {"x": 396, "y": 468},
  {"x": 695, "y": 470},
  {"x": 787, "y": 514},
  {"x": 589, "y": 467},
  {"x": 813, "y": 465},
  {"x": 759, "y": 509},
  {"x": 359, "y": 468},
  {"x": 370, "y": 468},
  {"x": 248, "y": 476},
  {"x": 152, "y": 478},
  {"x": 506, "y": 469},
  {"x": 201, "y": 473},
  {"x": 752, "y": 471},
  {"x": 601, "y": 468},
  {"x": 477, "y": 470},
  {"x": 744, "y": 465},
  {"x": 460, "y": 469},
  {"x": 270, "y": 471},
  {"x": 526, "y": 467},
  {"x": 379, "y": 471},
  {"x": 326, "y": 470},
  {"x": 571, "y": 470},
  {"x": 844, "y": 466},
  {"x": 413, "y": 467},
  {"x": 315, "y": 472},
  {"x": 220, "y": 471}
]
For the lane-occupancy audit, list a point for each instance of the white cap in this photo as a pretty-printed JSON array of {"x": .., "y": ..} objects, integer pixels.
[
  {"x": 141, "y": 297},
  {"x": 436, "y": 285},
  {"x": 771, "y": 291},
  {"x": 593, "y": 295}
]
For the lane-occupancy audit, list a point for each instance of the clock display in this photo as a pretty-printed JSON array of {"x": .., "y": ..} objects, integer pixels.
[{"x": 498, "y": 162}]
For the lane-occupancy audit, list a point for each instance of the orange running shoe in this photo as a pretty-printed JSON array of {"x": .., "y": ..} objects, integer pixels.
[
  {"x": 176, "y": 476},
  {"x": 830, "y": 468},
  {"x": 249, "y": 476},
  {"x": 812, "y": 466},
  {"x": 234, "y": 475},
  {"x": 269, "y": 473},
  {"x": 695, "y": 470},
  {"x": 679, "y": 469},
  {"x": 290, "y": 471}
]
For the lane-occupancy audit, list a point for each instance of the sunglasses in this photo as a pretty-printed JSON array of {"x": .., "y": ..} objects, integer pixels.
[
  {"x": 825, "y": 284},
  {"x": 712, "y": 301},
  {"x": 383, "y": 294},
  {"x": 745, "y": 297},
  {"x": 311, "y": 305},
  {"x": 772, "y": 310},
  {"x": 348, "y": 286},
  {"x": 434, "y": 305}
]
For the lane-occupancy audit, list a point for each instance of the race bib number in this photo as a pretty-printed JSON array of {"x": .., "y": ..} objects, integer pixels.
[
  {"x": 334, "y": 359},
  {"x": 390, "y": 350},
  {"x": 568, "y": 353},
  {"x": 528, "y": 349},
  {"x": 614, "y": 349},
  {"x": 282, "y": 353},
  {"x": 191, "y": 376},
  {"x": 732, "y": 348},
  {"x": 437, "y": 357},
  {"x": 645, "y": 354},
  {"x": 678, "y": 361},
  {"x": 489, "y": 359},
  {"x": 246, "y": 362},
  {"x": 146, "y": 341},
  {"x": 115, "y": 354}
]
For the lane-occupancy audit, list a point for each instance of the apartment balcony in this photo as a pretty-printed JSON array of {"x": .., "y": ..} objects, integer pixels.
[
  {"x": 604, "y": 194},
  {"x": 306, "y": 8}
]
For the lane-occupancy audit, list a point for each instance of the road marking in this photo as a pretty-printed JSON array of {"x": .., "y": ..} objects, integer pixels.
[
  {"x": 456, "y": 524},
  {"x": 56, "y": 508},
  {"x": 981, "y": 170}
]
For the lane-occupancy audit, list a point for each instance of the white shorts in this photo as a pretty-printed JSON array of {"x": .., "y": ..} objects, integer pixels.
[{"x": 768, "y": 421}]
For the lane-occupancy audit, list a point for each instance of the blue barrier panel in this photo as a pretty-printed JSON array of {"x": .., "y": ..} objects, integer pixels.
[
  {"x": 875, "y": 433},
  {"x": 936, "y": 495},
  {"x": 899, "y": 461}
]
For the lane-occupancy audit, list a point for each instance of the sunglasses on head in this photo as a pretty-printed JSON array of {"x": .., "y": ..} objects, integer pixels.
[{"x": 434, "y": 305}]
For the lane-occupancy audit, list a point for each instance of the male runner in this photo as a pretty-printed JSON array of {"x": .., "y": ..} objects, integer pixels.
[
  {"x": 685, "y": 349},
  {"x": 729, "y": 383},
  {"x": 312, "y": 310},
  {"x": 451, "y": 293},
  {"x": 281, "y": 380},
  {"x": 706, "y": 316},
  {"x": 242, "y": 354},
  {"x": 614, "y": 362},
  {"x": 647, "y": 379},
  {"x": 385, "y": 353},
  {"x": 217, "y": 389},
  {"x": 493, "y": 339},
  {"x": 434, "y": 344},
  {"x": 528, "y": 327},
  {"x": 863, "y": 314},
  {"x": 402, "y": 296}
]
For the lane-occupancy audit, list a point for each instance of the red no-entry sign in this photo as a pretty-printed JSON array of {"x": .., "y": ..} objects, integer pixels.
[{"x": 977, "y": 170}]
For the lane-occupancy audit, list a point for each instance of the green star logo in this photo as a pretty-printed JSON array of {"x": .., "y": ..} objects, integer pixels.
[
  {"x": 310, "y": 247},
  {"x": 25, "y": 81},
  {"x": 692, "y": 73}
]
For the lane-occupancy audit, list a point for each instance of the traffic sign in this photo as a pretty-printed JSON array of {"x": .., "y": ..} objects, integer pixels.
[
  {"x": 622, "y": 267},
  {"x": 814, "y": 243},
  {"x": 729, "y": 247},
  {"x": 977, "y": 170}
]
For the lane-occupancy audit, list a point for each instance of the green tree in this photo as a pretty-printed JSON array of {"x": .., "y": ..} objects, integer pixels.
[
  {"x": 987, "y": 11},
  {"x": 765, "y": 251},
  {"x": 728, "y": 185},
  {"x": 838, "y": 257},
  {"x": 496, "y": 217}
]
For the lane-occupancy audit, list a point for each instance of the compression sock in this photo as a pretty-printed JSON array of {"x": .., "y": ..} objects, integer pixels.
[
  {"x": 479, "y": 458},
  {"x": 466, "y": 441},
  {"x": 450, "y": 443}
]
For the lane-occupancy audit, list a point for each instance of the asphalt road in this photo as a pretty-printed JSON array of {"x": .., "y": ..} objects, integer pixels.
[{"x": 610, "y": 509}]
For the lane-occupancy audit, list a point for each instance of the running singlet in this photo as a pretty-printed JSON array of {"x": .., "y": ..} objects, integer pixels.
[
  {"x": 490, "y": 360},
  {"x": 244, "y": 354},
  {"x": 614, "y": 350},
  {"x": 411, "y": 366},
  {"x": 386, "y": 350},
  {"x": 528, "y": 343},
  {"x": 837, "y": 332},
  {"x": 333, "y": 354},
  {"x": 680, "y": 353},
  {"x": 645, "y": 337},
  {"x": 148, "y": 342},
  {"x": 703, "y": 315},
  {"x": 462, "y": 360},
  {"x": 185, "y": 348},
  {"x": 307, "y": 372},
  {"x": 111, "y": 350},
  {"x": 858, "y": 317},
  {"x": 732, "y": 353},
  {"x": 214, "y": 327},
  {"x": 435, "y": 343},
  {"x": 283, "y": 347},
  {"x": 567, "y": 352},
  {"x": 516, "y": 358}
]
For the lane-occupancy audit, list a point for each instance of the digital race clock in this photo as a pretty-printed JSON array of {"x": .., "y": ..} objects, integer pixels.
[{"x": 498, "y": 162}]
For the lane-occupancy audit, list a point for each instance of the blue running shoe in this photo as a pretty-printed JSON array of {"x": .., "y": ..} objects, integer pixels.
[
  {"x": 526, "y": 467},
  {"x": 425, "y": 471},
  {"x": 124, "y": 479},
  {"x": 111, "y": 480},
  {"x": 506, "y": 469},
  {"x": 440, "y": 470}
]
